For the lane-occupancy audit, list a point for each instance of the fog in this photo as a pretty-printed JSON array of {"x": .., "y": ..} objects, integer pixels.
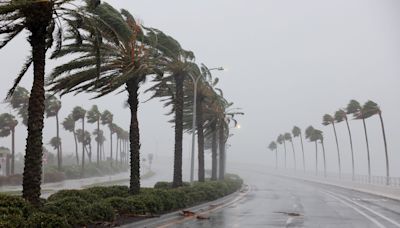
[{"x": 289, "y": 62}]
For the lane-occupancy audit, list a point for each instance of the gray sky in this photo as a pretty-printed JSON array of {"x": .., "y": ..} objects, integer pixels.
[{"x": 289, "y": 63}]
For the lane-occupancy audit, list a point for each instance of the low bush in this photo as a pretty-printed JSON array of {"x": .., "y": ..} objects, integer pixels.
[
  {"x": 100, "y": 212},
  {"x": 106, "y": 192},
  {"x": 124, "y": 205},
  {"x": 85, "y": 195},
  {"x": 43, "y": 220}
]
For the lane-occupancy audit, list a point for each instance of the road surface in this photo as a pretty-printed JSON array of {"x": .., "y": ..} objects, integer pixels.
[{"x": 280, "y": 202}]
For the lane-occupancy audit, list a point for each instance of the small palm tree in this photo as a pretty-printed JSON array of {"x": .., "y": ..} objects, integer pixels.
[
  {"x": 107, "y": 119},
  {"x": 330, "y": 120},
  {"x": 7, "y": 127},
  {"x": 79, "y": 114},
  {"x": 273, "y": 147},
  {"x": 309, "y": 134},
  {"x": 355, "y": 109},
  {"x": 19, "y": 102},
  {"x": 94, "y": 116},
  {"x": 100, "y": 139},
  {"x": 52, "y": 108},
  {"x": 281, "y": 140},
  {"x": 370, "y": 109},
  {"x": 69, "y": 125},
  {"x": 85, "y": 138},
  {"x": 341, "y": 116},
  {"x": 296, "y": 131},
  {"x": 317, "y": 134},
  {"x": 288, "y": 137}
]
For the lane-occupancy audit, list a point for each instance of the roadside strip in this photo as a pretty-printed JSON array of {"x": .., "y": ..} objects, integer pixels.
[{"x": 174, "y": 218}]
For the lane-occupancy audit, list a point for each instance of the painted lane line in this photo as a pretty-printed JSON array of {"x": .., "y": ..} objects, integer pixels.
[
  {"x": 357, "y": 210},
  {"x": 368, "y": 209}
]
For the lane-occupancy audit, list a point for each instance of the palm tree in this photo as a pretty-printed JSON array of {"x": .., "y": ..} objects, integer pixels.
[
  {"x": 309, "y": 134},
  {"x": 107, "y": 119},
  {"x": 288, "y": 137},
  {"x": 296, "y": 131},
  {"x": 273, "y": 147},
  {"x": 100, "y": 139},
  {"x": 7, "y": 127},
  {"x": 94, "y": 116},
  {"x": 370, "y": 109},
  {"x": 281, "y": 140},
  {"x": 19, "y": 102},
  {"x": 52, "y": 108},
  {"x": 214, "y": 150},
  {"x": 317, "y": 134},
  {"x": 355, "y": 109},
  {"x": 40, "y": 18},
  {"x": 341, "y": 116},
  {"x": 85, "y": 138},
  {"x": 69, "y": 125},
  {"x": 330, "y": 120},
  {"x": 79, "y": 114}
]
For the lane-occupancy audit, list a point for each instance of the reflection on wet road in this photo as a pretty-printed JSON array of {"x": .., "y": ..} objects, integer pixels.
[{"x": 277, "y": 202}]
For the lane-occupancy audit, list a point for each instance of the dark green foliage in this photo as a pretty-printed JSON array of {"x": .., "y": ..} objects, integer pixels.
[
  {"x": 84, "y": 195},
  {"x": 14, "y": 205},
  {"x": 106, "y": 192},
  {"x": 123, "y": 205},
  {"x": 100, "y": 211},
  {"x": 44, "y": 220},
  {"x": 73, "y": 208}
]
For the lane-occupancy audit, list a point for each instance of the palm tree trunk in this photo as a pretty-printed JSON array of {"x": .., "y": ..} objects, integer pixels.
[
  {"x": 177, "y": 178},
  {"x": 76, "y": 148},
  {"x": 323, "y": 154},
  {"x": 214, "y": 161},
  {"x": 302, "y": 150},
  {"x": 221, "y": 152},
  {"x": 276, "y": 158},
  {"x": 352, "y": 151},
  {"x": 200, "y": 138},
  {"x": 38, "y": 17},
  {"x": 134, "y": 137},
  {"x": 338, "y": 151},
  {"x": 294, "y": 155},
  {"x": 316, "y": 158},
  {"x": 368, "y": 157},
  {"x": 386, "y": 150},
  {"x": 59, "y": 155},
  {"x": 111, "y": 146},
  {"x": 116, "y": 151},
  {"x": 83, "y": 148},
  {"x": 12, "y": 151},
  {"x": 284, "y": 146},
  {"x": 98, "y": 143}
]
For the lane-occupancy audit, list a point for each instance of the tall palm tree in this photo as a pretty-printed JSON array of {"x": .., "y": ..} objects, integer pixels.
[
  {"x": 19, "y": 102},
  {"x": 69, "y": 125},
  {"x": 296, "y": 131},
  {"x": 355, "y": 109},
  {"x": 330, "y": 120},
  {"x": 52, "y": 108},
  {"x": 107, "y": 119},
  {"x": 79, "y": 114},
  {"x": 341, "y": 116},
  {"x": 7, "y": 127},
  {"x": 317, "y": 134},
  {"x": 273, "y": 147},
  {"x": 370, "y": 109},
  {"x": 40, "y": 18},
  {"x": 288, "y": 137},
  {"x": 281, "y": 140},
  {"x": 94, "y": 116},
  {"x": 85, "y": 138},
  {"x": 309, "y": 134},
  {"x": 100, "y": 139}
]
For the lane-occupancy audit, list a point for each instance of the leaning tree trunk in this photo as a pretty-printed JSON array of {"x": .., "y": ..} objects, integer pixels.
[
  {"x": 323, "y": 154},
  {"x": 352, "y": 151},
  {"x": 177, "y": 179},
  {"x": 338, "y": 151},
  {"x": 221, "y": 152},
  {"x": 83, "y": 148},
  {"x": 200, "y": 139},
  {"x": 284, "y": 146},
  {"x": 369, "y": 160},
  {"x": 116, "y": 150},
  {"x": 214, "y": 146},
  {"x": 316, "y": 158},
  {"x": 38, "y": 17},
  {"x": 386, "y": 150},
  {"x": 294, "y": 155},
  {"x": 98, "y": 142},
  {"x": 111, "y": 145},
  {"x": 13, "y": 151},
  {"x": 76, "y": 148},
  {"x": 134, "y": 136},
  {"x": 59, "y": 154},
  {"x": 302, "y": 150}
]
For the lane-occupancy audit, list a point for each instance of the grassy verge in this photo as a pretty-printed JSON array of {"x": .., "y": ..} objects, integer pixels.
[{"x": 102, "y": 206}]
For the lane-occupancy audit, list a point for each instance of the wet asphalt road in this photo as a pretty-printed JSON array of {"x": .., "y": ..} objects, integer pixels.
[{"x": 280, "y": 202}]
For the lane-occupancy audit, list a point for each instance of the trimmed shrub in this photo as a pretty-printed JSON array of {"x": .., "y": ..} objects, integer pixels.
[
  {"x": 72, "y": 208},
  {"x": 100, "y": 212},
  {"x": 14, "y": 205},
  {"x": 106, "y": 192},
  {"x": 82, "y": 194},
  {"x": 44, "y": 220}
]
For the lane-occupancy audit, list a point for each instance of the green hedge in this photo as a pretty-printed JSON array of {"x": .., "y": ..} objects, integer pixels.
[{"x": 71, "y": 208}]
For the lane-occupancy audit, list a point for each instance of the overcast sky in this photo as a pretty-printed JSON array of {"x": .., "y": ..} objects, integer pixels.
[{"x": 289, "y": 63}]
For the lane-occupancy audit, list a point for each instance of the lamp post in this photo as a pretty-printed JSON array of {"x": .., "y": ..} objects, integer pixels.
[{"x": 195, "y": 83}]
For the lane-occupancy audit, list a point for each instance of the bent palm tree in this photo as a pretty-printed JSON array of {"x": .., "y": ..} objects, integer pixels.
[
  {"x": 281, "y": 140},
  {"x": 296, "y": 131},
  {"x": 329, "y": 120},
  {"x": 341, "y": 116},
  {"x": 309, "y": 134},
  {"x": 273, "y": 147},
  {"x": 317, "y": 134},
  {"x": 79, "y": 114},
  {"x": 371, "y": 108},
  {"x": 94, "y": 116},
  {"x": 7, "y": 127},
  {"x": 69, "y": 125},
  {"x": 19, "y": 102},
  {"x": 52, "y": 108},
  {"x": 107, "y": 119},
  {"x": 288, "y": 137}
]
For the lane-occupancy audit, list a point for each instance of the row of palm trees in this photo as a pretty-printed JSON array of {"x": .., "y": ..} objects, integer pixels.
[
  {"x": 111, "y": 51},
  {"x": 358, "y": 112}
]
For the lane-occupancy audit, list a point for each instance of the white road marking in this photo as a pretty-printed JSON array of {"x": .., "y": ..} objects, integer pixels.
[
  {"x": 368, "y": 209},
  {"x": 357, "y": 210}
]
